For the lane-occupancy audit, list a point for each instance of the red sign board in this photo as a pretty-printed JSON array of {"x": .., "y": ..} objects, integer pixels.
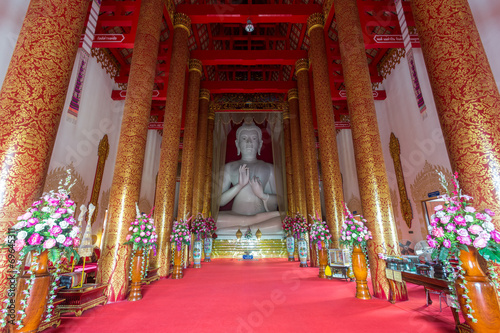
[{"x": 382, "y": 39}]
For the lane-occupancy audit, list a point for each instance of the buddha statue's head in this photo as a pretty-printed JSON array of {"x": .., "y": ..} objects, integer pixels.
[{"x": 248, "y": 140}]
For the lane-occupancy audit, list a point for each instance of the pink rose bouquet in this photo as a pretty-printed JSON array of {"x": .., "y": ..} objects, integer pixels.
[
  {"x": 354, "y": 232},
  {"x": 210, "y": 225},
  {"x": 142, "y": 233},
  {"x": 180, "y": 234},
  {"x": 300, "y": 226},
  {"x": 457, "y": 225},
  {"x": 199, "y": 226},
  {"x": 287, "y": 224},
  {"x": 319, "y": 232}
]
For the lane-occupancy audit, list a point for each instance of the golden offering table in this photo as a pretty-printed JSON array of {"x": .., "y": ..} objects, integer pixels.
[
  {"x": 77, "y": 300},
  {"x": 264, "y": 248}
]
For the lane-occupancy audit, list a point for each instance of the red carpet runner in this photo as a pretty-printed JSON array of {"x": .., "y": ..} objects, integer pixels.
[{"x": 270, "y": 295}]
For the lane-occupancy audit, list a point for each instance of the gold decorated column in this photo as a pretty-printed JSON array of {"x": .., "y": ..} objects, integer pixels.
[
  {"x": 372, "y": 177},
  {"x": 165, "y": 188},
  {"x": 189, "y": 140},
  {"x": 126, "y": 185},
  {"x": 466, "y": 96},
  {"x": 201, "y": 154},
  {"x": 288, "y": 163},
  {"x": 308, "y": 142},
  {"x": 31, "y": 102},
  {"x": 299, "y": 186},
  {"x": 330, "y": 168},
  {"x": 207, "y": 200}
]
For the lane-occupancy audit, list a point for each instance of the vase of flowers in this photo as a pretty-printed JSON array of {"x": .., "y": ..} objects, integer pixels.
[
  {"x": 459, "y": 230},
  {"x": 320, "y": 235},
  {"x": 287, "y": 225},
  {"x": 355, "y": 234},
  {"x": 208, "y": 242},
  {"x": 142, "y": 236},
  {"x": 300, "y": 230},
  {"x": 180, "y": 236},
  {"x": 48, "y": 231},
  {"x": 199, "y": 230}
]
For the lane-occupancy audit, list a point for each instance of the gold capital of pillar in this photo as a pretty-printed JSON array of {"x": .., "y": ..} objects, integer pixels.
[
  {"x": 292, "y": 94},
  {"x": 301, "y": 65},
  {"x": 316, "y": 20},
  {"x": 182, "y": 21},
  {"x": 195, "y": 65},
  {"x": 205, "y": 94}
]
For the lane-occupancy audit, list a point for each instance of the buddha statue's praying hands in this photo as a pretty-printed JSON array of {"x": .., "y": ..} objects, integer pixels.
[{"x": 250, "y": 182}]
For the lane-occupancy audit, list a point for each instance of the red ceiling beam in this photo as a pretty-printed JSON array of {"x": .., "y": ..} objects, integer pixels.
[
  {"x": 229, "y": 13},
  {"x": 231, "y": 57}
]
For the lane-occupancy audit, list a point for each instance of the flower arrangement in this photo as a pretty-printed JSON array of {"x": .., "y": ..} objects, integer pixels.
[
  {"x": 199, "y": 227},
  {"x": 210, "y": 227},
  {"x": 456, "y": 226},
  {"x": 180, "y": 234},
  {"x": 287, "y": 225},
  {"x": 319, "y": 232},
  {"x": 48, "y": 225},
  {"x": 248, "y": 234},
  {"x": 142, "y": 233},
  {"x": 354, "y": 232},
  {"x": 300, "y": 226}
]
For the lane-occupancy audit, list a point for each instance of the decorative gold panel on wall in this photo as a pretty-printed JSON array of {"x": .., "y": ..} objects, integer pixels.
[
  {"x": 102, "y": 152},
  {"x": 404, "y": 201}
]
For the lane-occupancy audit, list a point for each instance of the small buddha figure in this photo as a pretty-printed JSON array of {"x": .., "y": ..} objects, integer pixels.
[{"x": 251, "y": 183}]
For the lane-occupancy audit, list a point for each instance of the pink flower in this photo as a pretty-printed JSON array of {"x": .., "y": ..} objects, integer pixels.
[
  {"x": 53, "y": 202},
  {"x": 452, "y": 209},
  {"x": 68, "y": 241},
  {"x": 69, "y": 203},
  {"x": 475, "y": 229},
  {"x": 76, "y": 241},
  {"x": 70, "y": 220},
  {"x": 462, "y": 232},
  {"x": 360, "y": 239},
  {"x": 148, "y": 233},
  {"x": 438, "y": 208},
  {"x": 128, "y": 237},
  {"x": 495, "y": 235},
  {"x": 436, "y": 220},
  {"x": 137, "y": 240},
  {"x": 460, "y": 220},
  {"x": 55, "y": 230},
  {"x": 32, "y": 221},
  {"x": 55, "y": 215},
  {"x": 135, "y": 230},
  {"x": 445, "y": 219},
  {"x": 61, "y": 210},
  {"x": 432, "y": 243},
  {"x": 450, "y": 227},
  {"x": 49, "y": 243},
  {"x": 438, "y": 232},
  {"x": 36, "y": 203},
  {"x": 464, "y": 240},
  {"x": 479, "y": 243},
  {"x": 35, "y": 239},
  {"x": 489, "y": 212},
  {"x": 480, "y": 216},
  {"x": 470, "y": 209},
  {"x": 447, "y": 243},
  {"x": 143, "y": 227},
  {"x": 145, "y": 241},
  {"x": 19, "y": 244},
  {"x": 25, "y": 216}
]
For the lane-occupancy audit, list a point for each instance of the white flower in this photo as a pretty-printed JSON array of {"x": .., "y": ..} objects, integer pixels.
[
  {"x": 488, "y": 226},
  {"x": 51, "y": 222},
  {"x": 70, "y": 210},
  {"x": 19, "y": 225},
  {"x": 484, "y": 234},
  {"x": 22, "y": 234},
  {"x": 487, "y": 217},
  {"x": 63, "y": 224},
  {"x": 46, "y": 209},
  {"x": 60, "y": 238},
  {"x": 440, "y": 214},
  {"x": 73, "y": 233},
  {"x": 39, "y": 226},
  {"x": 469, "y": 218}
]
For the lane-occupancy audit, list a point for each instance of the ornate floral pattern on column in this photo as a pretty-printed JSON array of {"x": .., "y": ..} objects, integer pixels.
[
  {"x": 308, "y": 141},
  {"x": 466, "y": 96},
  {"x": 189, "y": 141},
  {"x": 329, "y": 156},
  {"x": 299, "y": 186},
  {"x": 201, "y": 154},
  {"x": 126, "y": 186},
  {"x": 167, "y": 174},
  {"x": 372, "y": 177},
  {"x": 288, "y": 162},
  {"x": 31, "y": 102}
]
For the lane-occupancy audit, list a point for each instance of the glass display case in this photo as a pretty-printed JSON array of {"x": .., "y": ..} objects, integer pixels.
[{"x": 340, "y": 257}]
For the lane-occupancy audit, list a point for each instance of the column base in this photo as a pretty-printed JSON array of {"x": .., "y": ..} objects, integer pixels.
[
  {"x": 135, "y": 292},
  {"x": 322, "y": 274},
  {"x": 177, "y": 273},
  {"x": 362, "y": 291}
]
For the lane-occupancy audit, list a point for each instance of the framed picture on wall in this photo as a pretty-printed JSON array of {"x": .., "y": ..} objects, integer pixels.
[{"x": 428, "y": 207}]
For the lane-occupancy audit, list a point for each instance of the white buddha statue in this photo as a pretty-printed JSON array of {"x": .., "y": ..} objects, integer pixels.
[{"x": 253, "y": 188}]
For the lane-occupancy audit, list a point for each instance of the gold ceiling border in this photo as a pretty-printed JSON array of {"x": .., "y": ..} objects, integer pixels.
[
  {"x": 389, "y": 62},
  {"x": 405, "y": 205},
  {"x": 248, "y": 103},
  {"x": 107, "y": 61},
  {"x": 426, "y": 181}
]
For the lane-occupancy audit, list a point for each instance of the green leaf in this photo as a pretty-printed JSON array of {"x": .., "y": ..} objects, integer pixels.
[
  {"x": 463, "y": 247},
  {"x": 443, "y": 253}
]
